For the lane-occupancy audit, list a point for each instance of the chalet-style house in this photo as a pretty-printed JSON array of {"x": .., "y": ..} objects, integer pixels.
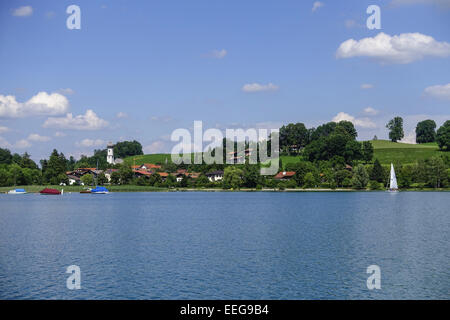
[{"x": 215, "y": 175}]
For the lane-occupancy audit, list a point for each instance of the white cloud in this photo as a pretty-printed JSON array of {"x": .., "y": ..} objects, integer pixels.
[
  {"x": 403, "y": 48},
  {"x": 91, "y": 143},
  {"x": 317, "y": 5},
  {"x": 38, "y": 138},
  {"x": 40, "y": 104},
  {"x": 121, "y": 115},
  {"x": 4, "y": 143},
  {"x": 155, "y": 147},
  {"x": 256, "y": 87},
  {"x": 409, "y": 138},
  {"x": 218, "y": 54},
  {"x": 371, "y": 111},
  {"x": 161, "y": 118},
  {"x": 366, "y": 86},
  {"x": 358, "y": 122},
  {"x": 439, "y": 91},
  {"x": 23, "y": 11},
  {"x": 3, "y": 129},
  {"x": 59, "y": 134},
  {"x": 88, "y": 121},
  {"x": 22, "y": 144},
  {"x": 67, "y": 91}
]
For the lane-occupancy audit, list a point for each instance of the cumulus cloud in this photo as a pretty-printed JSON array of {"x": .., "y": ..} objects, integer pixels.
[
  {"x": 121, "y": 115},
  {"x": 40, "y": 104},
  {"x": 371, "y": 111},
  {"x": 358, "y": 122},
  {"x": 38, "y": 138},
  {"x": 67, "y": 91},
  {"x": 316, "y": 6},
  {"x": 439, "y": 91},
  {"x": 257, "y": 87},
  {"x": 88, "y": 121},
  {"x": 3, "y": 129},
  {"x": 366, "y": 86},
  {"x": 91, "y": 143},
  {"x": 217, "y": 54},
  {"x": 403, "y": 48},
  {"x": 22, "y": 144},
  {"x": 161, "y": 118},
  {"x": 59, "y": 134},
  {"x": 4, "y": 143},
  {"x": 155, "y": 147},
  {"x": 23, "y": 11}
]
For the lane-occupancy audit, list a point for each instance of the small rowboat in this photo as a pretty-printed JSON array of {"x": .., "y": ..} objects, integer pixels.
[
  {"x": 17, "y": 191},
  {"x": 86, "y": 191},
  {"x": 50, "y": 191}
]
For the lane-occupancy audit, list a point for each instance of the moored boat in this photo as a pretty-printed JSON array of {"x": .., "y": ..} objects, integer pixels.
[
  {"x": 17, "y": 191},
  {"x": 99, "y": 190},
  {"x": 49, "y": 191},
  {"x": 88, "y": 190}
]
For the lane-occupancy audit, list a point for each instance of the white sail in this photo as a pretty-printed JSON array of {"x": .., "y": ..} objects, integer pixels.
[{"x": 393, "y": 181}]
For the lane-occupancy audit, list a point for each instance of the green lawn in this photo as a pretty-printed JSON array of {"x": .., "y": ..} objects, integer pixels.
[
  {"x": 148, "y": 158},
  {"x": 386, "y": 151}
]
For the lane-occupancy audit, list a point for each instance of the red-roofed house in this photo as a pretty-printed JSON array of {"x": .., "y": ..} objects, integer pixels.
[{"x": 148, "y": 166}]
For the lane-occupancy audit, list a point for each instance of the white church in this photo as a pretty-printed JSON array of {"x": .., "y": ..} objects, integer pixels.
[{"x": 110, "y": 155}]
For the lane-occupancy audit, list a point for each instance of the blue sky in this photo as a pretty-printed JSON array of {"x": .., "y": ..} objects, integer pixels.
[{"x": 145, "y": 68}]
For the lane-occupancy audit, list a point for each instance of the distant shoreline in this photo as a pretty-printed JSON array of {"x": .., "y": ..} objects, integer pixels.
[{"x": 132, "y": 188}]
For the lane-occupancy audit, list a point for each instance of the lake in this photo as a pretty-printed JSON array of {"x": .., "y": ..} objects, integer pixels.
[{"x": 226, "y": 245}]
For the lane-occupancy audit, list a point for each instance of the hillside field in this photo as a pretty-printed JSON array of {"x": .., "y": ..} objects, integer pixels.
[{"x": 385, "y": 151}]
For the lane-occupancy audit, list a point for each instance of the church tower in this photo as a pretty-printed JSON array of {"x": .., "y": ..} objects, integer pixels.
[{"x": 110, "y": 154}]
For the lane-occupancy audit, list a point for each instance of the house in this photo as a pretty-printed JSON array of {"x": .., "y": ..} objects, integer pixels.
[
  {"x": 179, "y": 176},
  {"x": 149, "y": 166},
  {"x": 109, "y": 172},
  {"x": 285, "y": 175},
  {"x": 215, "y": 175},
  {"x": 163, "y": 175},
  {"x": 74, "y": 180},
  {"x": 142, "y": 173}
]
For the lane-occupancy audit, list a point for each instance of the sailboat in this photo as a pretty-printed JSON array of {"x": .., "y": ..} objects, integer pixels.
[{"x": 393, "y": 187}]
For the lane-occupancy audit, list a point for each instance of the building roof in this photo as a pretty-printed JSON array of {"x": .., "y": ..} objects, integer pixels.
[
  {"x": 151, "y": 166},
  {"x": 73, "y": 177},
  {"x": 285, "y": 174},
  {"x": 163, "y": 174},
  {"x": 143, "y": 172}
]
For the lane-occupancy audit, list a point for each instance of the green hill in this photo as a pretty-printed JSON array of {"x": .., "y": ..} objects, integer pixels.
[
  {"x": 148, "y": 158},
  {"x": 386, "y": 152}
]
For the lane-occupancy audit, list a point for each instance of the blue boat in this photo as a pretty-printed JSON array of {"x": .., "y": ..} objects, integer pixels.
[
  {"x": 99, "y": 190},
  {"x": 17, "y": 191}
]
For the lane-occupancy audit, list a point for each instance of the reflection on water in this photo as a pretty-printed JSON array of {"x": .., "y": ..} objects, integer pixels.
[{"x": 225, "y": 245}]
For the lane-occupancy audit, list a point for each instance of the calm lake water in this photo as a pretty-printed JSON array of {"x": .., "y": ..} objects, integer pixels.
[{"x": 199, "y": 245}]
